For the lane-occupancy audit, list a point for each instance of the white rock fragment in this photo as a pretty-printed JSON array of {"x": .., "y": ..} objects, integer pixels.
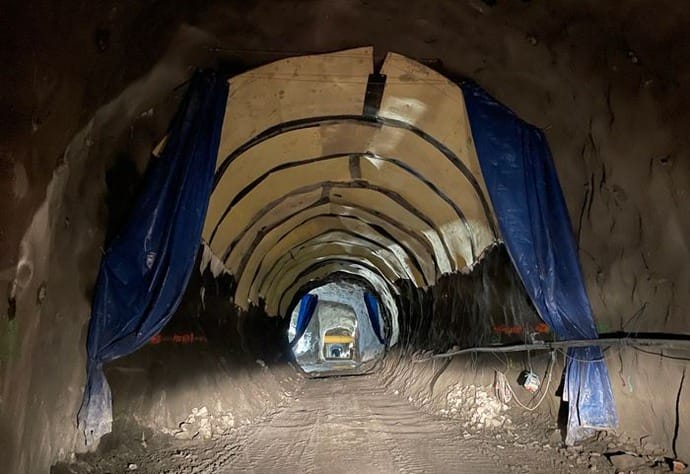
[{"x": 476, "y": 405}]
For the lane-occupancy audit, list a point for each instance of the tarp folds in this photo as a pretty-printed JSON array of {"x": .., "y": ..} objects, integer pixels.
[
  {"x": 372, "y": 305},
  {"x": 533, "y": 219},
  {"x": 307, "y": 306},
  {"x": 144, "y": 272}
]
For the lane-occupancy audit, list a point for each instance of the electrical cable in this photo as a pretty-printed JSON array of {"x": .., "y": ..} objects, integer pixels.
[
  {"x": 504, "y": 384},
  {"x": 585, "y": 361},
  {"x": 679, "y": 341},
  {"x": 661, "y": 354}
]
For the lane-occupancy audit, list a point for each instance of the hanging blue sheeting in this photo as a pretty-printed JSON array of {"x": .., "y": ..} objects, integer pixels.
[
  {"x": 144, "y": 272},
  {"x": 372, "y": 305},
  {"x": 307, "y": 306},
  {"x": 528, "y": 202}
]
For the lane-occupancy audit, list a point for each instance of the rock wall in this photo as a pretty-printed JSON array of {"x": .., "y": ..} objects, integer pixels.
[
  {"x": 51, "y": 275},
  {"x": 487, "y": 306},
  {"x": 212, "y": 369},
  {"x": 653, "y": 422}
]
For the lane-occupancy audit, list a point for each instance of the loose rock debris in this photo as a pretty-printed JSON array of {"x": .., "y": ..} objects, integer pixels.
[{"x": 358, "y": 419}]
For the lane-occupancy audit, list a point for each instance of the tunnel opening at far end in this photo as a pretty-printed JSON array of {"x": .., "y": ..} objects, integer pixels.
[{"x": 338, "y": 327}]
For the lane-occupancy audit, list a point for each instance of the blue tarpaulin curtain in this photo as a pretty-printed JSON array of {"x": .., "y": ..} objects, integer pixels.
[
  {"x": 533, "y": 219},
  {"x": 372, "y": 305},
  {"x": 144, "y": 272},
  {"x": 307, "y": 306}
]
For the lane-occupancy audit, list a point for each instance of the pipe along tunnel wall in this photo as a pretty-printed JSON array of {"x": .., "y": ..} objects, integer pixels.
[{"x": 614, "y": 111}]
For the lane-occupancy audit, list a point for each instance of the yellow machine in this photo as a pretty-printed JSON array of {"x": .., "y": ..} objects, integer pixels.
[
  {"x": 338, "y": 344},
  {"x": 338, "y": 339}
]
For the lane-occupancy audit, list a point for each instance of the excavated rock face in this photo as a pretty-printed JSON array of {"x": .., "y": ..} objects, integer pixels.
[
  {"x": 486, "y": 306},
  {"x": 85, "y": 83}
]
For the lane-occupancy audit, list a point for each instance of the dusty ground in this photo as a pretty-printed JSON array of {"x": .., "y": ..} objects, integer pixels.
[{"x": 343, "y": 425}]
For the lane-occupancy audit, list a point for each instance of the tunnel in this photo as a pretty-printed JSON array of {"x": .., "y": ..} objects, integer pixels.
[{"x": 340, "y": 236}]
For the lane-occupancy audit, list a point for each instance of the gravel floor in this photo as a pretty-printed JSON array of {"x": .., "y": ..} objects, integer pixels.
[{"x": 338, "y": 425}]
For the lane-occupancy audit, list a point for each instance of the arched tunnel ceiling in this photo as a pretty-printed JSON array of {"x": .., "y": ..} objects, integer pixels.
[{"x": 323, "y": 169}]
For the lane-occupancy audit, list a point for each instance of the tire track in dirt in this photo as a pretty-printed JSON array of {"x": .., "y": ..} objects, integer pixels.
[{"x": 347, "y": 425}]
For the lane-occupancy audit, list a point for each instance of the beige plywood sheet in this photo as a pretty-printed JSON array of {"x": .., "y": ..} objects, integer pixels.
[
  {"x": 422, "y": 97},
  {"x": 349, "y": 138},
  {"x": 245, "y": 244},
  {"x": 294, "y": 88},
  {"x": 380, "y": 247},
  {"x": 280, "y": 306},
  {"x": 288, "y": 275},
  {"x": 421, "y": 196},
  {"x": 388, "y": 207},
  {"x": 274, "y": 188},
  {"x": 437, "y": 210},
  {"x": 252, "y": 164},
  {"x": 290, "y": 252},
  {"x": 293, "y": 245},
  {"x": 268, "y": 251},
  {"x": 414, "y": 153}
]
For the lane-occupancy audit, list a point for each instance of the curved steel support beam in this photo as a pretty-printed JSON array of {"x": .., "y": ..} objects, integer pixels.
[
  {"x": 320, "y": 252},
  {"x": 340, "y": 156},
  {"x": 369, "y": 218},
  {"x": 260, "y": 274},
  {"x": 376, "y": 264},
  {"x": 321, "y": 269},
  {"x": 311, "y": 122},
  {"x": 401, "y": 201}
]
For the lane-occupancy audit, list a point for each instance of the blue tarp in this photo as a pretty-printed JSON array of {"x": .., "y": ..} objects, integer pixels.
[
  {"x": 533, "y": 219},
  {"x": 372, "y": 305},
  {"x": 307, "y": 306},
  {"x": 144, "y": 272}
]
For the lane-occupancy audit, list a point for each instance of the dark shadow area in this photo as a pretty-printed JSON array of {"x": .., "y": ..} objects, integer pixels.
[
  {"x": 210, "y": 357},
  {"x": 484, "y": 307},
  {"x": 123, "y": 182}
]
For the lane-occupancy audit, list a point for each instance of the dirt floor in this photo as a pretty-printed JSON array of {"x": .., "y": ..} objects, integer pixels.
[{"x": 345, "y": 425}]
